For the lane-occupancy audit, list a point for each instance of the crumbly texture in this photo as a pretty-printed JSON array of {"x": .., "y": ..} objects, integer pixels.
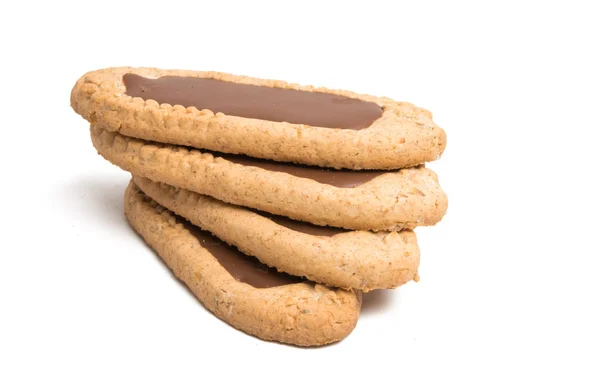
[
  {"x": 303, "y": 314},
  {"x": 392, "y": 201},
  {"x": 404, "y": 136},
  {"x": 353, "y": 259}
]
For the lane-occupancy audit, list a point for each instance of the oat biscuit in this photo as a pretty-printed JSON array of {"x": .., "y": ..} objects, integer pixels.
[
  {"x": 285, "y": 309},
  {"x": 331, "y": 256},
  {"x": 380, "y": 200},
  {"x": 262, "y": 118}
]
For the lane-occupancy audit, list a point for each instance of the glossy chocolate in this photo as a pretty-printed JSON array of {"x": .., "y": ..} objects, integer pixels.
[
  {"x": 336, "y": 178},
  {"x": 241, "y": 267},
  {"x": 261, "y": 102}
]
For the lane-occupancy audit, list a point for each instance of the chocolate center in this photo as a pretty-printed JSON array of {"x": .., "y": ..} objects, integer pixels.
[
  {"x": 303, "y": 227},
  {"x": 241, "y": 267},
  {"x": 261, "y": 102},
  {"x": 340, "y": 179}
]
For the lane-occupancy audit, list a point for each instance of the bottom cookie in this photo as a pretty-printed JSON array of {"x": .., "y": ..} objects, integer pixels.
[{"x": 237, "y": 288}]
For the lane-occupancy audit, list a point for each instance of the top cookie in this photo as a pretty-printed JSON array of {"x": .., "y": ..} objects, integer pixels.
[{"x": 261, "y": 118}]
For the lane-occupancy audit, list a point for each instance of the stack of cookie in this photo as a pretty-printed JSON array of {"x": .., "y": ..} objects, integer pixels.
[{"x": 277, "y": 204}]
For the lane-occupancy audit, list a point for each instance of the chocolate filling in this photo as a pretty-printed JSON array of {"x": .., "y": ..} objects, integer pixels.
[
  {"x": 336, "y": 178},
  {"x": 304, "y": 227},
  {"x": 261, "y": 102},
  {"x": 241, "y": 267}
]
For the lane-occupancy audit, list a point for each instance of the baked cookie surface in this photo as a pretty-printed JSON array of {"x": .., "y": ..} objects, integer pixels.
[
  {"x": 392, "y": 201},
  {"x": 331, "y": 256},
  {"x": 266, "y": 119},
  {"x": 261, "y": 302}
]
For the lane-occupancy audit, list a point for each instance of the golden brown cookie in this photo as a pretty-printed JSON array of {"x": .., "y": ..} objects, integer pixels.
[
  {"x": 261, "y": 302},
  {"x": 355, "y": 200},
  {"x": 331, "y": 256},
  {"x": 257, "y": 117}
]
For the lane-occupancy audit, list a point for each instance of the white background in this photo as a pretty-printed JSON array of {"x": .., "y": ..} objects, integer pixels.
[{"x": 510, "y": 278}]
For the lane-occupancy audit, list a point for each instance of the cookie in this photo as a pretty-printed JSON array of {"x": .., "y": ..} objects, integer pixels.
[
  {"x": 237, "y": 288},
  {"x": 356, "y": 200},
  {"x": 331, "y": 256},
  {"x": 262, "y": 118}
]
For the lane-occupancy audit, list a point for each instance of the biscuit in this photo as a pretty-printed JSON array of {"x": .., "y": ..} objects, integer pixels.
[
  {"x": 261, "y": 118},
  {"x": 263, "y": 303},
  {"x": 376, "y": 200},
  {"x": 331, "y": 256}
]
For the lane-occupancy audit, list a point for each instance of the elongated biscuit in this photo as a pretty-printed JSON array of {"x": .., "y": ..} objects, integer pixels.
[
  {"x": 280, "y": 309},
  {"x": 380, "y": 200},
  {"x": 331, "y": 256},
  {"x": 261, "y": 118}
]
